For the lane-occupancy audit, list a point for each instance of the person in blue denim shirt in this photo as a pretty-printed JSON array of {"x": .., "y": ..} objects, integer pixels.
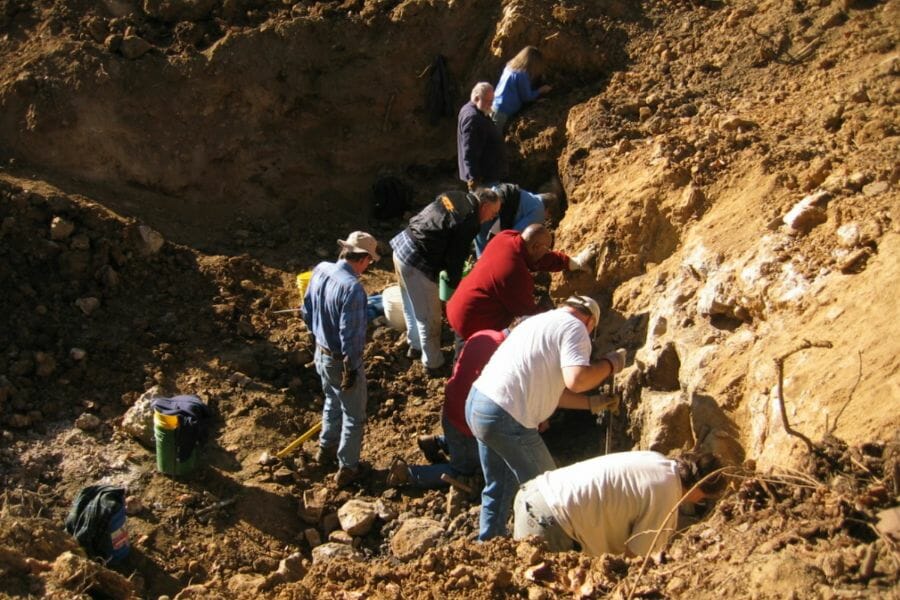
[
  {"x": 516, "y": 85},
  {"x": 334, "y": 309}
]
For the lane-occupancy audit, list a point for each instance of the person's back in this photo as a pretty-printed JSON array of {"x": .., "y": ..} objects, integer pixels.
[
  {"x": 615, "y": 503},
  {"x": 332, "y": 287},
  {"x": 525, "y": 376}
]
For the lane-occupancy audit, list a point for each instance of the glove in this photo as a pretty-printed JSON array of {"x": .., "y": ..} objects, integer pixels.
[
  {"x": 616, "y": 360},
  {"x": 348, "y": 377},
  {"x": 582, "y": 261},
  {"x": 600, "y": 403}
]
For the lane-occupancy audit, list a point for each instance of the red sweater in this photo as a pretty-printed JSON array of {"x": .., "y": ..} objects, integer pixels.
[
  {"x": 500, "y": 287},
  {"x": 474, "y": 356}
]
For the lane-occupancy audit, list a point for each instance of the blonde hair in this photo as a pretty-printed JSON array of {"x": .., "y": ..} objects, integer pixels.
[{"x": 529, "y": 59}]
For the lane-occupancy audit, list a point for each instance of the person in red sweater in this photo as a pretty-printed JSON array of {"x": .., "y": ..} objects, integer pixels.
[
  {"x": 457, "y": 442},
  {"x": 501, "y": 287}
]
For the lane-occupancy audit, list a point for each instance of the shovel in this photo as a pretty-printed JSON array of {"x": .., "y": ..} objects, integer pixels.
[{"x": 267, "y": 458}]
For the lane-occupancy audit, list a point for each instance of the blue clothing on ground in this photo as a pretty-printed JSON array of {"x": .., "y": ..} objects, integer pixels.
[
  {"x": 463, "y": 452},
  {"x": 334, "y": 309},
  {"x": 344, "y": 414},
  {"x": 513, "y": 91},
  {"x": 531, "y": 210},
  {"x": 510, "y": 455}
]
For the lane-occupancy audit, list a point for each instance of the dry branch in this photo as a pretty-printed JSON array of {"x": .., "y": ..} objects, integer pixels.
[{"x": 779, "y": 390}]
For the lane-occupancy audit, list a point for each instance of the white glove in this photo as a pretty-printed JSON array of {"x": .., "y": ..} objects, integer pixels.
[
  {"x": 616, "y": 360},
  {"x": 600, "y": 403},
  {"x": 582, "y": 261}
]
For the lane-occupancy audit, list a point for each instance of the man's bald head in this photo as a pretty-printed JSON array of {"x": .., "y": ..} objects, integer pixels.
[{"x": 538, "y": 241}]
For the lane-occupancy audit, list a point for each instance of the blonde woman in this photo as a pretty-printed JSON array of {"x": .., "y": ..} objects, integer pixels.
[{"x": 516, "y": 84}]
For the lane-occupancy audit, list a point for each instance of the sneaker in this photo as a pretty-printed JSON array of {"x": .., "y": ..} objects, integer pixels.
[
  {"x": 345, "y": 476},
  {"x": 398, "y": 473},
  {"x": 431, "y": 449},
  {"x": 413, "y": 354},
  {"x": 326, "y": 455}
]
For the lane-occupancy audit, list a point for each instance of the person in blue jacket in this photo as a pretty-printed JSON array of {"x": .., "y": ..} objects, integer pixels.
[
  {"x": 520, "y": 209},
  {"x": 516, "y": 85}
]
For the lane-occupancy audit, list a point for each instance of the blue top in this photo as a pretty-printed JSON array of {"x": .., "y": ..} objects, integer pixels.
[
  {"x": 530, "y": 211},
  {"x": 334, "y": 309},
  {"x": 513, "y": 91}
]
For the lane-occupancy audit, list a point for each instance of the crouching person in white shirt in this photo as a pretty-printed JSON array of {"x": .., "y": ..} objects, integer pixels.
[{"x": 614, "y": 504}]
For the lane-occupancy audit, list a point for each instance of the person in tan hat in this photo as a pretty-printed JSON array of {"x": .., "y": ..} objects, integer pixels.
[
  {"x": 544, "y": 364},
  {"x": 334, "y": 309}
]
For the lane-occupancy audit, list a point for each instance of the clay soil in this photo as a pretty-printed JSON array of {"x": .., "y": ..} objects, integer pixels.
[{"x": 168, "y": 167}]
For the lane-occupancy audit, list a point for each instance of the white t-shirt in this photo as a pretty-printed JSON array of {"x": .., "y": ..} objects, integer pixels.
[
  {"x": 524, "y": 376},
  {"x": 616, "y": 501}
]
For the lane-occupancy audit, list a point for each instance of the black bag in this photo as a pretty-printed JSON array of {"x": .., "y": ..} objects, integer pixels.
[
  {"x": 97, "y": 521},
  {"x": 390, "y": 197},
  {"x": 439, "y": 93}
]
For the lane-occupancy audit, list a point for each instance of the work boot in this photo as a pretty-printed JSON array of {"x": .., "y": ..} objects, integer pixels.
[
  {"x": 413, "y": 354},
  {"x": 347, "y": 475},
  {"x": 326, "y": 455},
  {"x": 431, "y": 449},
  {"x": 398, "y": 473}
]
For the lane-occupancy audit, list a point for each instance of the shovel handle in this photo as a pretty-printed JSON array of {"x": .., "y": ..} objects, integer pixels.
[{"x": 296, "y": 443}]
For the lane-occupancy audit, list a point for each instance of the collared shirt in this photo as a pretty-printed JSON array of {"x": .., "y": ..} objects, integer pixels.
[
  {"x": 405, "y": 249},
  {"x": 334, "y": 309}
]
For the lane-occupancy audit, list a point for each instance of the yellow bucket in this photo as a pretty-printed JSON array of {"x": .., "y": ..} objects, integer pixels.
[
  {"x": 165, "y": 421},
  {"x": 303, "y": 282}
]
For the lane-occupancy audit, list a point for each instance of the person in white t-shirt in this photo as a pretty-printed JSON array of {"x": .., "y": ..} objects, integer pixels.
[
  {"x": 621, "y": 503},
  {"x": 545, "y": 363}
]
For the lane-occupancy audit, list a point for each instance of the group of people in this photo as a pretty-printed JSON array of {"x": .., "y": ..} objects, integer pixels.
[{"x": 506, "y": 380}]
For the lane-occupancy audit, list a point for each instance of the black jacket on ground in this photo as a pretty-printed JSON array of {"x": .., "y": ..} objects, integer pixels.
[
  {"x": 443, "y": 232},
  {"x": 479, "y": 147}
]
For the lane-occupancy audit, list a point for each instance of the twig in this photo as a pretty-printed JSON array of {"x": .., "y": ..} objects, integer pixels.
[
  {"x": 661, "y": 529},
  {"x": 849, "y": 397},
  {"x": 779, "y": 365},
  {"x": 387, "y": 112}
]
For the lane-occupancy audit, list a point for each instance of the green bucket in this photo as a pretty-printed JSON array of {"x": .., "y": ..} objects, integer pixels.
[
  {"x": 165, "y": 430},
  {"x": 444, "y": 289}
]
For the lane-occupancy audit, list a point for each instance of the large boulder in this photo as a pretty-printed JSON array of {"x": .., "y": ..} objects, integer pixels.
[
  {"x": 665, "y": 421},
  {"x": 414, "y": 537},
  {"x": 357, "y": 516}
]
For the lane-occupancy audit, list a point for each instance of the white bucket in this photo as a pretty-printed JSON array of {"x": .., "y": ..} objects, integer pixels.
[{"x": 393, "y": 307}]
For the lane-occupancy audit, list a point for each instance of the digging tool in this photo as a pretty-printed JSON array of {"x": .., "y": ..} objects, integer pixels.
[
  {"x": 296, "y": 443},
  {"x": 459, "y": 485},
  {"x": 285, "y": 311},
  {"x": 202, "y": 511}
]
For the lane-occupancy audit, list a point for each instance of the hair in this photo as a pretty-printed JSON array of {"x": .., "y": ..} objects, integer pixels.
[
  {"x": 529, "y": 59},
  {"x": 586, "y": 311},
  {"x": 351, "y": 256},
  {"x": 694, "y": 466},
  {"x": 479, "y": 90},
  {"x": 486, "y": 195}
]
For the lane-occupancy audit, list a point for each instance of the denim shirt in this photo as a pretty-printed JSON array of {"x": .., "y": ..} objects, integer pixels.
[{"x": 334, "y": 309}]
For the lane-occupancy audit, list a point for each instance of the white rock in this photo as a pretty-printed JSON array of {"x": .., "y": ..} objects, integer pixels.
[
  {"x": 357, "y": 516},
  {"x": 848, "y": 234},
  {"x": 808, "y": 213},
  {"x": 414, "y": 537},
  {"x": 138, "y": 420},
  {"x": 77, "y": 354},
  {"x": 88, "y": 305}
]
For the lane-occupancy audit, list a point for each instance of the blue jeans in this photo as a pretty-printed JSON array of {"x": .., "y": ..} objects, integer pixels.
[
  {"x": 422, "y": 310},
  {"x": 463, "y": 451},
  {"x": 510, "y": 455},
  {"x": 344, "y": 415}
]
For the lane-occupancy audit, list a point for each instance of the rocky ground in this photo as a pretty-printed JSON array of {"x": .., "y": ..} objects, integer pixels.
[{"x": 168, "y": 168}]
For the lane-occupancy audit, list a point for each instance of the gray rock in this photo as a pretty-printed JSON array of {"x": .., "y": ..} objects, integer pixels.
[
  {"x": 357, "y": 516},
  {"x": 133, "y": 47},
  {"x": 666, "y": 421},
  {"x": 661, "y": 368},
  {"x": 88, "y": 305},
  {"x": 60, "y": 228},
  {"x": 333, "y": 550},
  {"x": 414, "y": 537},
  {"x": 87, "y": 422}
]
